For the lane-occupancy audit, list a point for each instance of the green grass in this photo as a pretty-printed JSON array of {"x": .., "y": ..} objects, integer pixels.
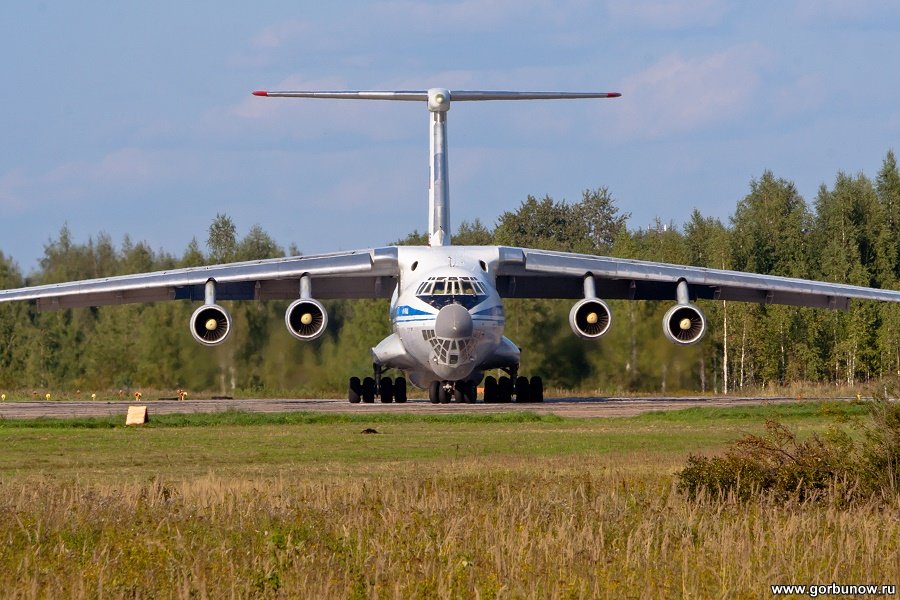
[
  {"x": 237, "y": 443},
  {"x": 497, "y": 506}
]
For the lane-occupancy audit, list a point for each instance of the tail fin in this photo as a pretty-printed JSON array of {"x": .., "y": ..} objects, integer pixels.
[{"x": 438, "y": 100}]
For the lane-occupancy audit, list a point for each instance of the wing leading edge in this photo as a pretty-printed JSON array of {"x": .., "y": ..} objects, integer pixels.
[
  {"x": 355, "y": 274},
  {"x": 526, "y": 273}
]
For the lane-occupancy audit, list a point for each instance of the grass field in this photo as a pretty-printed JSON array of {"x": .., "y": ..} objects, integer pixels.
[{"x": 488, "y": 506}]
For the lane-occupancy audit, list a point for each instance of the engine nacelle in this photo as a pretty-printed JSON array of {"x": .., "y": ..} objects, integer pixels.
[
  {"x": 210, "y": 324},
  {"x": 306, "y": 319},
  {"x": 590, "y": 318},
  {"x": 684, "y": 324}
]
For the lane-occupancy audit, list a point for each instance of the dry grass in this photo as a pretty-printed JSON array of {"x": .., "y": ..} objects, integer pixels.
[{"x": 473, "y": 528}]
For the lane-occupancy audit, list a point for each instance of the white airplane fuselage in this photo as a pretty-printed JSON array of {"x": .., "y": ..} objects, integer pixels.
[{"x": 447, "y": 317}]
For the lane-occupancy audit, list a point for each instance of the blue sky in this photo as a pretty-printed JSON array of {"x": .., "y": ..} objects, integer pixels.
[{"x": 136, "y": 117}]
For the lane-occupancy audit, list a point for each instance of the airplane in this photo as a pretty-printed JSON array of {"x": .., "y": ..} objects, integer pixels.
[{"x": 446, "y": 302}]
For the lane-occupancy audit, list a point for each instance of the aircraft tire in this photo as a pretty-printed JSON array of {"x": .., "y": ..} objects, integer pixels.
[
  {"x": 354, "y": 392},
  {"x": 368, "y": 390},
  {"x": 434, "y": 392},
  {"x": 504, "y": 389},
  {"x": 444, "y": 396},
  {"x": 459, "y": 392},
  {"x": 523, "y": 389},
  {"x": 386, "y": 390},
  {"x": 537, "y": 389},
  {"x": 490, "y": 389},
  {"x": 471, "y": 392},
  {"x": 400, "y": 390}
]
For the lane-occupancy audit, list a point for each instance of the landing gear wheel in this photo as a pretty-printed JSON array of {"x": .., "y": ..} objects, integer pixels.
[
  {"x": 400, "y": 390},
  {"x": 434, "y": 392},
  {"x": 386, "y": 390},
  {"x": 504, "y": 388},
  {"x": 354, "y": 392},
  {"x": 537, "y": 389},
  {"x": 470, "y": 394},
  {"x": 459, "y": 392},
  {"x": 444, "y": 394},
  {"x": 368, "y": 390},
  {"x": 490, "y": 389},
  {"x": 523, "y": 391}
]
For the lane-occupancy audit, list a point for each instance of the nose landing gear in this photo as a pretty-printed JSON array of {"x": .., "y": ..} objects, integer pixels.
[{"x": 442, "y": 392}]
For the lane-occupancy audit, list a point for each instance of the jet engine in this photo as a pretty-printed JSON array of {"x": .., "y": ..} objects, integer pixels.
[
  {"x": 306, "y": 319},
  {"x": 210, "y": 324},
  {"x": 590, "y": 318},
  {"x": 684, "y": 324}
]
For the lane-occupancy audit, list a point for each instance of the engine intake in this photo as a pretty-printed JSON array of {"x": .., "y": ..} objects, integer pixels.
[
  {"x": 306, "y": 319},
  {"x": 210, "y": 324},
  {"x": 684, "y": 324},
  {"x": 590, "y": 318}
]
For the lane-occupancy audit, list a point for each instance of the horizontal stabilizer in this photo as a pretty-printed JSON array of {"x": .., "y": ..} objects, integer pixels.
[
  {"x": 422, "y": 95},
  {"x": 348, "y": 95}
]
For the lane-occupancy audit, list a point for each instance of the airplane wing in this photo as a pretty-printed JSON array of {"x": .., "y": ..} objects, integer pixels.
[
  {"x": 526, "y": 273},
  {"x": 354, "y": 274}
]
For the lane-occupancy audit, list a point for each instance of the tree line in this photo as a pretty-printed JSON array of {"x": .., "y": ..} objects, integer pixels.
[{"x": 849, "y": 233}]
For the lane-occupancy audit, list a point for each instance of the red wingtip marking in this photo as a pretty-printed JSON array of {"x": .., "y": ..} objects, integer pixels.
[
  {"x": 260, "y": 93},
  {"x": 614, "y": 94}
]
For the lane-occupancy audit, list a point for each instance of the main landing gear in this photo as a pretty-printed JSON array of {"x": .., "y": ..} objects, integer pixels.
[
  {"x": 388, "y": 390},
  {"x": 513, "y": 388}
]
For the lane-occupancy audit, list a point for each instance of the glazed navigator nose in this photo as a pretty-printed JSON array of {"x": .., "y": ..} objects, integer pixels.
[{"x": 453, "y": 322}]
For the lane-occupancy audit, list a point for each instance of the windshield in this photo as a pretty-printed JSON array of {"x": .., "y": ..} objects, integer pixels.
[{"x": 441, "y": 291}]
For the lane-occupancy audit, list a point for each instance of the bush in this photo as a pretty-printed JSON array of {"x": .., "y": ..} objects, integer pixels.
[{"x": 832, "y": 466}]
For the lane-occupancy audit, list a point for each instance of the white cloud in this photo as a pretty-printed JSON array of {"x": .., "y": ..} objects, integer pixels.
[
  {"x": 11, "y": 185},
  {"x": 846, "y": 11},
  {"x": 474, "y": 15},
  {"x": 668, "y": 14},
  {"x": 805, "y": 94},
  {"x": 118, "y": 174},
  {"x": 275, "y": 36},
  {"x": 680, "y": 94},
  {"x": 125, "y": 166}
]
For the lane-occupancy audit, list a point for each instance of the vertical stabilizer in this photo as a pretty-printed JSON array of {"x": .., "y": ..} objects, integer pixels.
[{"x": 439, "y": 181}]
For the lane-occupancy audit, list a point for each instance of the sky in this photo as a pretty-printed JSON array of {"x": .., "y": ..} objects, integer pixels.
[{"x": 137, "y": 117}]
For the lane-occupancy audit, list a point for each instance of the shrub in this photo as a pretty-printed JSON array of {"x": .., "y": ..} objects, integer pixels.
[{"x": 832, "y": 466}]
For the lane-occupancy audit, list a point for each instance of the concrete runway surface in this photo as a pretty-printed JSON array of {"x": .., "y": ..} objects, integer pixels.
[{"x": 564, "y": 407}]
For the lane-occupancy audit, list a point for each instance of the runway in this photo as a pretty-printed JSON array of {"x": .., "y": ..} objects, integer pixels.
[{"x": 564, "y": 407}]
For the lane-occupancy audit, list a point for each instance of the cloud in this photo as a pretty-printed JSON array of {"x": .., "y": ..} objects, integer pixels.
[
  {"x": 11, "y": 186},
  {"x": 680, "y": 94},
  {"x": 667, "y": 14},
  {"x": 275, "y": 36},
  {"x": 125, "y": 166},
  {"x": 843, "y": 12},
  {"x": 803, "y": 95},
  {"x": 118, "y": 174},
  {"x": 474, "y": 15}
]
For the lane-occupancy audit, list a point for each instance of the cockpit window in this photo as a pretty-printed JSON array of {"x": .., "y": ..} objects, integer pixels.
[{"x": 440, "y": 291}]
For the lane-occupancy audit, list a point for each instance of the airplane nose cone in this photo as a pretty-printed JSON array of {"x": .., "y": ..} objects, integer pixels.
[{"x": 454, "y": 322}]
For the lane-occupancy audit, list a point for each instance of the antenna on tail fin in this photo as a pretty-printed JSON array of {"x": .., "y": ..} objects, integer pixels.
[{"x": 439, "y": 100}]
